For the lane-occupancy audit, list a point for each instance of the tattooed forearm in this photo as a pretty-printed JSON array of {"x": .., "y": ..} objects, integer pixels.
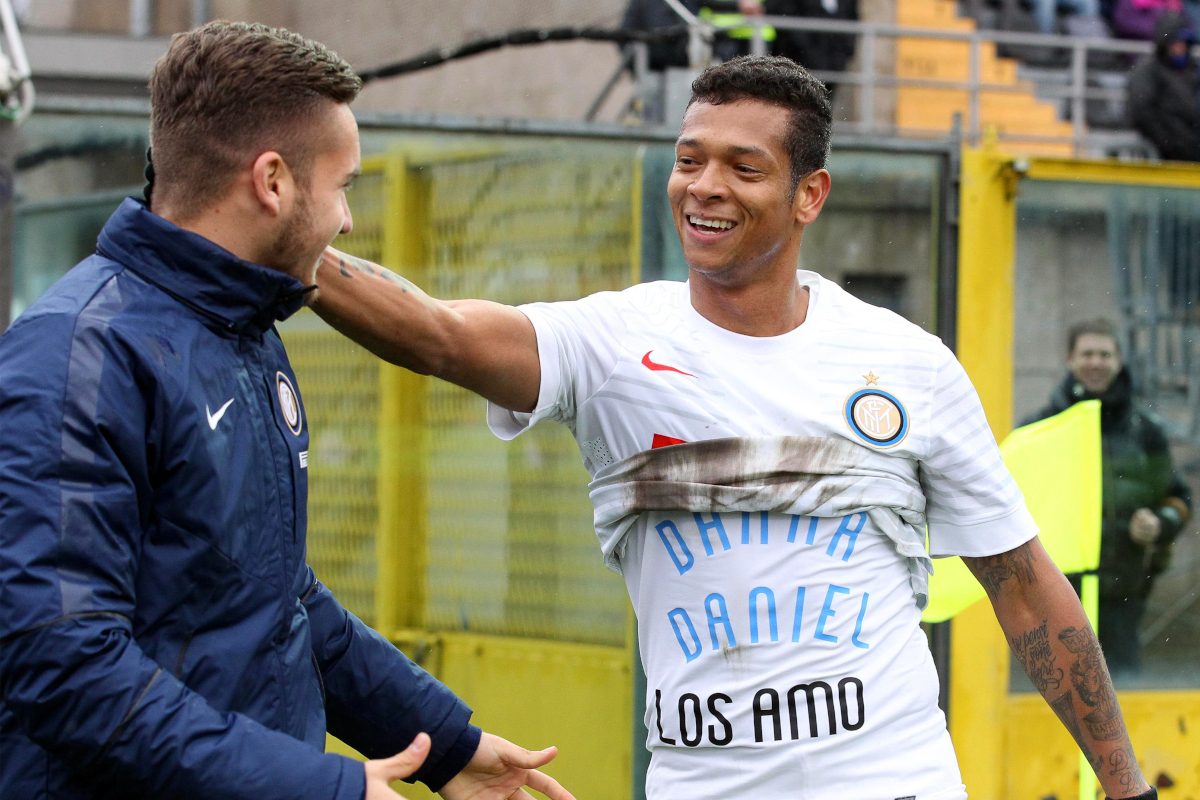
[
  {"x": 1124, "y": 769},
  {"x": 345, "y": 263},
  {"x": 1064, "y": 709},
  {"x": 994, "y": 571},
  {"x": 1089, "y": 675},
  {"x": 1033, "y": 650}
]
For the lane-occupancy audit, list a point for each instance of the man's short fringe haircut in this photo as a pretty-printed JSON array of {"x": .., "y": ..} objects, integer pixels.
[
  {"x": 229, "y": 91},
  {"x": 1098, "y": 327},
  {"x": 782, "y": 82}
]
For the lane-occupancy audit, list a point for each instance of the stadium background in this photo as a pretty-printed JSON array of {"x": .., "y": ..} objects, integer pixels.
[{"x": 476, "y": 556}]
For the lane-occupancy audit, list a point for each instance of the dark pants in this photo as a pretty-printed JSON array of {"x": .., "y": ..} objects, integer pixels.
[{"x": 1119, "y": 622}]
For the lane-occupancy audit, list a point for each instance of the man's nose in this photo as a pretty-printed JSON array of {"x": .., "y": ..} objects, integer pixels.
[
  {"x": 710, "y": 183},
  {"x": 347, "y": 218}
]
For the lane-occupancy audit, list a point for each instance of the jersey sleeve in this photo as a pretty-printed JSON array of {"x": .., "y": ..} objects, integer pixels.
[
  {"x": 578, "y": 346},
  {"x": 973, "y": 506}
]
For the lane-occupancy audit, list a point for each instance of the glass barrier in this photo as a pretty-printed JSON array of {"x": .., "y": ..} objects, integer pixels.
[{"x": 1129, "y": 255}]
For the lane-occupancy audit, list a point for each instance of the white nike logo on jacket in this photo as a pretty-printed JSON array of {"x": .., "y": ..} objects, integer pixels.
[{"x": 213, "y": 419}]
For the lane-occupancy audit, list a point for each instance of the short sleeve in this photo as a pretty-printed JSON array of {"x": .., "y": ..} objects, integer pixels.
[
  {"x": 973, "y": 506},
  {"x": 578, "y": 345}
]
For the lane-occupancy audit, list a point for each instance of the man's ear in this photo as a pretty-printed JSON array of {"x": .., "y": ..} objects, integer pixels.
[
  {"x": 811, "y": 195},
  {"x": 272, "y": 181}
]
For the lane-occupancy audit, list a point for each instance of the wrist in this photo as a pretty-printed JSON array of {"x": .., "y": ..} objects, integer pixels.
[{"x": 1149, "y": 794}]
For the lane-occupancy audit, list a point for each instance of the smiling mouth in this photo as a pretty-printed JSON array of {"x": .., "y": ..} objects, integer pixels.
[{"x": 709, "y": 225}]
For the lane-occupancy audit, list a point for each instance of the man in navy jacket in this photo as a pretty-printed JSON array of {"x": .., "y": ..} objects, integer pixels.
[{"x": 160, "y": 632}]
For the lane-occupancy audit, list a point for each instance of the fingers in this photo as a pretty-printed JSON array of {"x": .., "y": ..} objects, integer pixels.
[
  {"x": 407, "y": 761},
  {"x": 516, "y": 756},
  {"x": 547, "y": 786}
]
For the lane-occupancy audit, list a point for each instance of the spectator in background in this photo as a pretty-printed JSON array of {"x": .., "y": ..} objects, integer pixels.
[
  {"x": 647, "y": 15},
  {"x": 1139, "y": 19},
  {"x": 1046, "y": 11},
  {"x": 828, "y": 52},
  {"x": 1146, "y": 503},
  {"x": 1163, "y": 93}
]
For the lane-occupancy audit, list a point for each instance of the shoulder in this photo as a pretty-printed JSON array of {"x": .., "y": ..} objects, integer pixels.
[
  {"x": 99, "y": 314},
  {"x": 613, "y": 311},
  {"x": 852, "y": 323}
]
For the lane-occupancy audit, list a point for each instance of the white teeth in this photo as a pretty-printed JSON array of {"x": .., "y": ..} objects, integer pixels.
[{"x": 716, "y": 224}]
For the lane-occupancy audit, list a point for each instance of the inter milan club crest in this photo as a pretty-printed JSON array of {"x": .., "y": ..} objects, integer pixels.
[
  {"x": 288, "y": 403},
  {"x": 877, "y": 417}
]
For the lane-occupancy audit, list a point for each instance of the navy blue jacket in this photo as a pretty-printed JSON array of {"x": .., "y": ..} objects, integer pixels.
[{"x": 160, "y": 632}]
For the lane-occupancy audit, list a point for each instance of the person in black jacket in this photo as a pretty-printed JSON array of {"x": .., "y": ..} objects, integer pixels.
[
  {"x": 1146, "y": 503},
  {"x": 1164, "y": 92}
]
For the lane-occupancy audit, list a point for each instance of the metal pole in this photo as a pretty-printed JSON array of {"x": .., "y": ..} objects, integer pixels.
[
  {"x": 200, "y": 13},
  {"x": 866, "y": 92},
  {"x": 9, "y": 145},
  {"x": 140, "y": 24},
  {"x": 973, "y": 81},
  {"x": 1078, "y": 91},
  {"x": 758, "y": 45}
]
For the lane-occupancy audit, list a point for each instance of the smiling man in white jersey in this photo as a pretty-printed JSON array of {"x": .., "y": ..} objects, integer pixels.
[{"x": 766, "y": 452}]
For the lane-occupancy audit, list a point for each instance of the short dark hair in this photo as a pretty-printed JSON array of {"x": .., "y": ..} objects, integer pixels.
[
  {"x": 228, "y": 91},
  {"x": 1098, "y": 326},
  {"x": 782, "y": 82}
]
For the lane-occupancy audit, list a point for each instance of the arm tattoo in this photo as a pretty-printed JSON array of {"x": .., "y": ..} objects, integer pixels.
[
  {"x": 1122, "y": 770},
  {"x": 1064, "y": 709},
  {"x": 1032, "y": 649},
  {"x": 361, "y": 265},
  {"x": 1089, "y": 675},
  {"x": 994, "y": 571}
]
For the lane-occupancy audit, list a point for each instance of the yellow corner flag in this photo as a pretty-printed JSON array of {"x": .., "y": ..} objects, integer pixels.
[{"x": 1056, "y": 463}]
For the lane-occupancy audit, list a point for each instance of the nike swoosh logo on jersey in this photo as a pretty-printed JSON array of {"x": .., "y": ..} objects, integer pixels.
[
  {"x": 213, "y": 419},
  {"x": 650, "y": 365}
]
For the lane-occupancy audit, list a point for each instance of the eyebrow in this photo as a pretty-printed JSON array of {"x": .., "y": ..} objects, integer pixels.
[{"x": 735, "y": 150}]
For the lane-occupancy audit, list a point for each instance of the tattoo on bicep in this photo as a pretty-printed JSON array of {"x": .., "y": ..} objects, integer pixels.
[
  {"x": 1064, "y": 709},
  {"x": 1033, "y": 650},
  {"x": 994, "y": 571},
  {"x": 1091, "y": 680}
]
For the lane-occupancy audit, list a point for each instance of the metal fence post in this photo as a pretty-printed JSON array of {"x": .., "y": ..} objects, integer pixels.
[
  {"x": 973, "y": 81},
  {"x": 141, "y": 21},
  {"x": 758, "y": 45},
  {"x": 1078, "y": 93},
  {"x": 866, "y": 90},
  {"x": 201, "y": 13}
]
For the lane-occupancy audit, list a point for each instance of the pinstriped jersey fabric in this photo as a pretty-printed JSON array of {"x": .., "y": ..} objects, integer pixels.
[{"x": 783, "y": 654}]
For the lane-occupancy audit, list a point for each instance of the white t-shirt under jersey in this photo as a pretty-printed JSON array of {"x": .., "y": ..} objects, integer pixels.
[{"x": 783, "y": 654}]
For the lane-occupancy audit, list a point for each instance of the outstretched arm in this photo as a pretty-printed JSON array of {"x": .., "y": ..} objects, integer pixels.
[
  {"x": 1050, "y": 636},
  {"x": 489, "y": 348}
]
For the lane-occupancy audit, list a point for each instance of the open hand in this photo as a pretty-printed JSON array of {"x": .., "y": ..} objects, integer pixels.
[
  {"x": 382, "y": 771},
  {"x": 500, "y": 769},
  {"x": 1145, "y": 527}
]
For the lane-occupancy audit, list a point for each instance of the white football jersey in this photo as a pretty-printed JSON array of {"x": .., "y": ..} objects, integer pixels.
[{"x": 783, "y": 654}]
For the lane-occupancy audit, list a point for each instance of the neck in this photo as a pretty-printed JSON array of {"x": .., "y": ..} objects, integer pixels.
[
  {"x": 768, "y": 305},
  {"x": 224, "y": 226}
]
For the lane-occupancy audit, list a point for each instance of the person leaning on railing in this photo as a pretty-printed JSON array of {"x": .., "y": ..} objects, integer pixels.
[{"x": 1146, "y": 502}]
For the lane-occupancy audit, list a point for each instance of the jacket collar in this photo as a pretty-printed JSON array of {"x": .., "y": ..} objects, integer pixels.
[
  {"x": 243, "y": 297},
  {"x": 1116, "y": 402}
]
